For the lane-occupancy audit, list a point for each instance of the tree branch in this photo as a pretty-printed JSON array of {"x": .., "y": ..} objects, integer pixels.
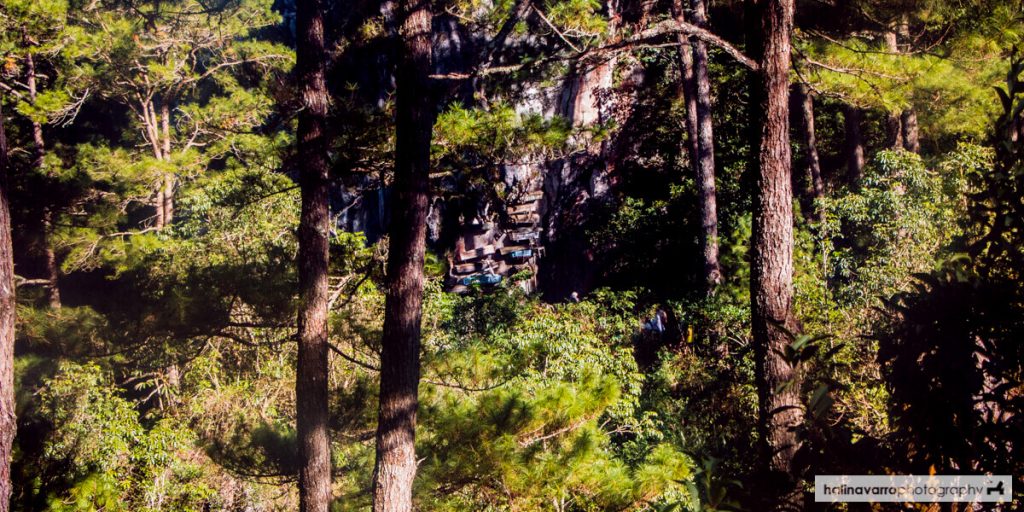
[
  {"x": 665, "y": 28},
  {"x": 555, "y": 29},
  {"x": 675, "y": 26}
]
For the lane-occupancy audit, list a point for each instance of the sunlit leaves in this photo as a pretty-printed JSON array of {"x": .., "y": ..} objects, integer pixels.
[{"x": 112, "y": 458}]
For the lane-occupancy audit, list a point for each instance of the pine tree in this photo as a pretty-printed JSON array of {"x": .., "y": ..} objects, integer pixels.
[
  {"x": 8, "y": 424},
  {"x": 773, "y": 320},
  {"x": 815, "y": 184},
  {"x": 162, "y": 60},
  {"x": 852, "y": 118},
  {"x": 693, "y": 59},
  {"x": 415, "y": 114},
  {"x": 35, "y": 36},
  {"x": 195, "y": 82},
  {"x": 311, "y": 373}
]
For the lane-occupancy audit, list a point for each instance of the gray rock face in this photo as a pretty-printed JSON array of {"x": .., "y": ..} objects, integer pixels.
[{"x": 532, "y": 230}]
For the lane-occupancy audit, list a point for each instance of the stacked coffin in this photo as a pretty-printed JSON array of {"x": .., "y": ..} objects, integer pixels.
[{"x": 491, "y": 252}]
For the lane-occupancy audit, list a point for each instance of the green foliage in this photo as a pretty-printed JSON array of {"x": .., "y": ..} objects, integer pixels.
[
  {"x": 873, "y": 240},
  {"x": 949, "y": 345},
  {"x": 892, "y": 227},
  {"x": 197, "y": 83},
  {"x": 166, "y": 382},
  {"x": 578, "y": 16},
  {"x": 499, "y": 133},
  {"x": 114, "y": 462},
  {"x": 559, "y": 395},
  {"x": 959, "y": 70}
]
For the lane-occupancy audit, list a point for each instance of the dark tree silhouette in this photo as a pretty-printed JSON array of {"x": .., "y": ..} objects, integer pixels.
[
  {"x": 804, "y": 102},
  {"x": 952, "y": 354},
  {"x": 852, "y": 118},
  {"x": 38, "y": 161}
]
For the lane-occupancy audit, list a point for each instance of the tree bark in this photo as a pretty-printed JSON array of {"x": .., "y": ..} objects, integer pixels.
[
  {"x": 168, "y": 184},
  {"x": 158, "y": 203},
  {"x": 395, "y": 466},
  {"x": 893, "y": 126},
  {"x": 151, "y": 125},
  {"x": 815, "y": 184},
  {"x": 705, "y": 154},
  {"x": 894, "y": 130},
  {"x": 38, "y": 161},
  {"x": 50, "y": 257},
  {"x": 854, "y": 145},
  {"x": 311, "y": 397},
  {"x": 8, "y": 424},
  {"x": 689, "y": 86},
  {"x": 696, "y": 87},
  {"x": 38, "y": 144},
  {"x": 908, "y": 118},
  {"x": 772, "y": 317},
  {"x": 911, "y": 139}
]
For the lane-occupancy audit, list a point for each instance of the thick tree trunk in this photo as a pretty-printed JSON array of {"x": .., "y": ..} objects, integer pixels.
[
  {"x": 854, "y": 145},
  {"x": 780, "y": 411},
  {"x": 705, "y": 154},
  {"x": 168, "y": 198},
  {"x": 151, "y": 125},
  {"x": 911, "y": 139},
  {"x": 8, "y": 425},
  {"x": 38, "y": 144},
  {"x": 311, "y": 397},
  {"x": 395, "y": 466},
  {"x": 815, "y": 183},
  {"x": 38, "y": 161}
]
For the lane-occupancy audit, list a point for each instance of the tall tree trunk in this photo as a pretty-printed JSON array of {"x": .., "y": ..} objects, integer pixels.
[
  {"x": 911, "y": 139},
  {"x": 158, "y": 203},
  {"x": 893, "y": 130},
  {"x": 314, "y": 227},
  {"x": 780, "y": 412},
  {"x": 693, "y": 62},
  {"x": 688, "y": 84},
  {"x": 8, "y": 423},
  {"x": 38, "y": 161},
  {"x": 815, "y": 184},
  {"x": 705, "y": 154},
  {"x": 854, "y": 145},
  {"x": 38, "y": 144},
  {"x": 415, "y": 113},
  {"x": 151, "y": 125},
  {"x": 893, "y": 126},
  {"x": 168, "y": 198},
  {"x": 908, "y": 119},
  {"x": 50, "y": 257}
]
